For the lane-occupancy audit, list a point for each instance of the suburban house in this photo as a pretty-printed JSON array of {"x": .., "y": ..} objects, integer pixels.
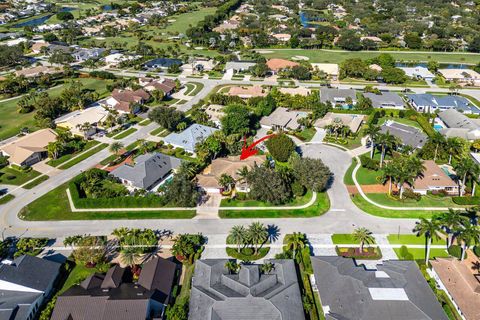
[
  {"x": 461, "y": 76},
  {"x": 459, "y": 125},
  {"x": 167, "y": 86},
  {"x": 76, "y": 120},
  {"x": 353, "y": 121},
  {"x": 425, "y": 102},
  {"x": 338, "y": 96},
  {"x": 162, "y": 63},
  {"x": 29, "y": 149},
  {"x": 37, "y": 71},
  {"x": 389, "y": 100},
  {"x": 115, "y": 296},
  {"x": 115, "y": 59},
  {"x": 434, "y": 180},
  {"x": 283, "y": 119},
  {"x": 122, "y": 100},
  {"x": 282, "y": 37},
  {"x": 418, "y": 72},
  {"x": 215, "y": 113},
  {"x": 84, "y": 54},
  {"x": 276, "y": 65},
  {"x": 25, "y": 283},
  {"x": 301, "y": 91},
  {"x": 147, "y": 171},
  {"x": 190, "y": 137},
  {"x": 407, "y": 135},
  {"x": 208, "y": 179},
  {"x": 394, "y": 290},
  {"x": 247, "y": 92},
  {"x": 199, "y": 65},
  {"x": 239, "y": 66},
  {"x": 460, "y": 281},
  {"x": 217, "y": 294},
  {"x": 330, "y": 69}
]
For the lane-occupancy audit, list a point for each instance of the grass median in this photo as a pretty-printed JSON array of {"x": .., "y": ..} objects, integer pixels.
[
  {"x": 319, "y": 207},
  {"x": 124, "y": 134},
  {"x": 83, "y": 156}
]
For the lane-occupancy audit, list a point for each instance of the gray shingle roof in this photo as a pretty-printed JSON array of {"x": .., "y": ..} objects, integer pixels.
[
  {"x": 333, "y": 95},
  {"x": 396, "y": 290},
  {"x": 249, "y": 295},
  {"x": 188, "y": 138},
  {"x": 149, "y": 169},
  {"x": 443, "y": 102},
  {"x": 385, "y": 100},
  {"x": 454, "y": 119},
  {"x": 408, "y": 135},
  {"x": 31, "y": 272}
]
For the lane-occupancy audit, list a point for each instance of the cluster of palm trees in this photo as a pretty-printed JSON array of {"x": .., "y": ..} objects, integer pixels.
[
  {"x": 255, "y": 235},
  {"x": 57, "y": 147},
  {"x": 228, "y": 182},
  {"x": 456, "y": 225},
  {"x": 402, "y": 170},
  {"x": 337, "y": 128},
  {"x": 386, "y": 141},
  {"x": 467, "y": 170}
]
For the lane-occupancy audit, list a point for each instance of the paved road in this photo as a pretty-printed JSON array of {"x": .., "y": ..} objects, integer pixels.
[{"x": 343, "y": 217}]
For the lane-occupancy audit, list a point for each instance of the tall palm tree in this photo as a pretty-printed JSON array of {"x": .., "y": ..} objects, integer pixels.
[
  {"x": 387, "y": 142},
  {"x": 295, "y": 241},
  {"x": 129, "y": 256},
  {"x": 372, "y": 131},
  {"x": 363, "y": 235},
  {"x": 468, "y": 235},
  {"x": 438, "y": 140},
  {"x": 238, "y": 235},
  {"x": 257, "y": 233},
  {"x": 454, "y": 146},
  {"x": 388, "y": 174},
  {"x": 430, "y": 229},
  {"x": 115, "y": 147},
  {"x": 226, "y": 181},
  {"x": 451, "y": 221},
  {"x": 466, "y": 168}
]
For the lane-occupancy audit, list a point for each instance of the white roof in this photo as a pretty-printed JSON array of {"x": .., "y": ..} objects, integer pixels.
[
  {"x": 417, "y": 71},
  {"x": 90, "y": 115},
  {"x": 329, "y": 68},
  {"x": 460, "y": 74}
]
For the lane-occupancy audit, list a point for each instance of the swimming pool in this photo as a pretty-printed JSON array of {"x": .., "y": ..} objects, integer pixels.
[{"x": 437, "y": 127}]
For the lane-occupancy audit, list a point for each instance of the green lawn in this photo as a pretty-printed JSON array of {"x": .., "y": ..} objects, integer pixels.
[
  {"x": 66, "y": 157},
  {"x": 405, "y": 253},
  {"x": 184, "y": 20},
  {"x": 124, "y": 134},
  {"x": 83, "y": 156},
  {"x": 347, "y": 179},
  {"x": 16, "y": 177},
  {"x": 306, "y": 134},
  {"x": 407, "y": 122},
  {"x": 11, "y": 122},
  {"x": 6, "y": 198},
  {"x": 36, "y": 182},
  {"x": 193, "y": 88},
  {"x": 54, "y": 206},
  {"x": 366, "y": 176},
  {"x": 411, "y": 239},
  {"x": 376, "y": 211},
  {"x": 77, "y": 275},
  {"x": 157, "y": 131},
  {"x": 254, "y": 203},
  {"x": 337, "y": 56},
  {"x": 425, "y": 201},
  {"x": 344, "y": 238},
  {"x": 321, "y": 205}
]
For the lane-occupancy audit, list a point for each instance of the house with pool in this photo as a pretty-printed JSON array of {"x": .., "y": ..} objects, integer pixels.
[{"x": 343, "y": 97}]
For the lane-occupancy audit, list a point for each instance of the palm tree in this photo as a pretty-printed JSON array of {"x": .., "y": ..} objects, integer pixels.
[
  {"x": 372, "y": 131},
  {"x": 238, "y": 235},
  {"x": 454, "y": 146},
  {"x": 466, "y": 168},
  {"x": 388, "y": 174},
  {"x": 232, "y": 266},
  {"x": 257, "y": 233},
  {"x": 437, "y": 140},
  {"x": 115, "y": 147},
  {"x": 386, "y": 141},
  {"x": 468, "y": 235},
  {"x": 54, "y": 149},
  {"x": 226, "y": 181},
  {"x": 267, "y": 267},
  {"x": 429, "y": 229},
  {"x": 451, "y": 221},
  {"x": 129, "y": 256},
  {"x": 363, "y": 235},
  {"x": 295, "y": 241}
]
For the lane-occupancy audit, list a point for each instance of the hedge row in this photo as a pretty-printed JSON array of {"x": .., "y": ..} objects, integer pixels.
[
  {"x": 426, "y": 125},
  {"x": 371, "y": 253},
  {"x": 466, "y": 200}
]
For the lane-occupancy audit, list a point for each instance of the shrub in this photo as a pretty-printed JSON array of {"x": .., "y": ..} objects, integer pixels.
[
  {"x": 476, "y": 250},
  {"x": 409, "y": 194},
  {"x": 297, "y": 189},
  {"x": 369, "y": 163},
  {"x": 280, "y": 147},
  {"x": 455, "y": 251},
  {"x": 102, "y": 75},
  {"x": 10, "y": 177}
]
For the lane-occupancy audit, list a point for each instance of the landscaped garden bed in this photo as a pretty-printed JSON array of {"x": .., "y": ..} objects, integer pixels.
[
  {"x": 247, "y": 254},
  {"x": 369, "y": 253}
]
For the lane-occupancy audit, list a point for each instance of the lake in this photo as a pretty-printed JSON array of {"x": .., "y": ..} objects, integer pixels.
[{"x": 39, "y": 21}]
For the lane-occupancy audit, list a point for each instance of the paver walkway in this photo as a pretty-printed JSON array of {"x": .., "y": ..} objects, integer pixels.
[{"x": 322, "y": 244}]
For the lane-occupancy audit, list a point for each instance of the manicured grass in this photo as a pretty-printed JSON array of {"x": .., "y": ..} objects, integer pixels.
[
  {"x": 254, "y": 203},
  {"x": 54, "y": 206},
  {"x": 347, "y": 179},
  {"x": 321, "y": 205},
  {"x": 376, "y": 211},
  {"x": 77, "y": 275},
  {"x": 307, "y": 134},
  {"x": 11, "y": 122},
  {"x": 244, "y": 256},
  {"x": 405, "y": 253},
  {"x": 6, "y": 198},
  {"x": 183, "y": 21},
  {"x": 344, "y": 238},
  {"x": 196, "y": 87},
  {"x": 83, "y": 156},
  {"x": 407, "y": 122},
  {"x": 425, "y": 201},
  {"x": 366, "y": 176},
  {"x": 36, "y": 182},
  {"x": 411, "y": 239},
  {"x": 145, "y": 122},
  {"x": 156, "y": 131},
  {"x": 124, "y": 134},
  {"x": 16, "y": 177},
  {"x": 66, "y": 157},
  {"x": 337, "y": 56}
]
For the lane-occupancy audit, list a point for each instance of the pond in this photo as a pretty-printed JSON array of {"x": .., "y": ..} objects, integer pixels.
[
  {"x": 41, "y": 20},
  {"x": 442, "y": 65},
  {"x": 306, "y": 19}
]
